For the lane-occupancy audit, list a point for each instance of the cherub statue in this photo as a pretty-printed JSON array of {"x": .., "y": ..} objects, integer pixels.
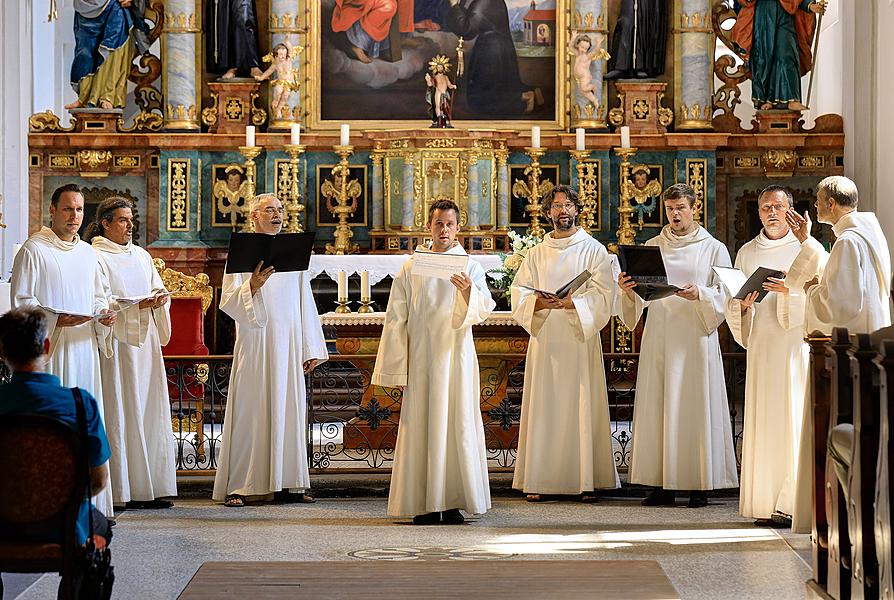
[
  {"x": 581, "y": 47},
  {"x": 438, "y": 93},
  {"x": 337, "y": 189},
  {"x": 231, "y": 192},
  {"x": 281, "y": 58},
  {"x": 644, "y": 193}
]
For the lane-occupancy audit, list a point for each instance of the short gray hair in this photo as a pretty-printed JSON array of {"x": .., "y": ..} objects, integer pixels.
[
  {"x": 840, "y": 189},
  {"x": 256, "y": 201}
]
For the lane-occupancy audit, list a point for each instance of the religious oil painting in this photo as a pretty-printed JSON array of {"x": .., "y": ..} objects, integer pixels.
[
  {"x": 329, "y": 189},
  {"x": 518, "y": 216},
  {"x": 229, "y": 191},
  {"x": 375, "y": 55}
]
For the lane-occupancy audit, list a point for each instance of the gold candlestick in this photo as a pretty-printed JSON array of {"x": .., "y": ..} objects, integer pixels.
[
  {"x": 587, "y": 189},
  {"x": 626, "y": 234},
  {"x": 294, "y": 207},
  {"x": 533, "y": 190},
  {"x": 250, "y": 153},
  {"x": 365, "y": 306},
  {"x": 341, "y": 195},
  {"x": 342, "y": 306}
]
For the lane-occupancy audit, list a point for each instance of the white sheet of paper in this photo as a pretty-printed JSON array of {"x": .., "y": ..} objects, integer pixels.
[
  {"x": 438, "y": 264},
  {"x": 732, "y": 278},
  {"x": 131, "y": 300},
  {"x": 59, "y": 311}
]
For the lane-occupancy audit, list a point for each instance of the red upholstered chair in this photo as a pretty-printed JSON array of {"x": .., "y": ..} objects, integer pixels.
[{"x": 43, "y": 478}]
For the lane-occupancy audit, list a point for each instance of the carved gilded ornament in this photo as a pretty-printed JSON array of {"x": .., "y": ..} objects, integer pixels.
[
  {"x": 94, "y": 162},
  {"x": 812, "y": 162},
  {"x": 185, "y": 286},
  {"x": 178, "y": 193},
  {"x": 180, "y": 23},
  {"x": 180, "y": 112},
  {"x": 640, "y": 109},
  {"x": 46, "y": 122},
  {"x": 779, "y": 163},
  {"x": 700, "y": 22},
  {"x": 209, "y": 114},
  {"x": 234, "y": 108},
  {"x": 439, "y": 143},
  {"x": 695, "y": 178},
  {"x": 616, "y": 115},
  {"x": 746, "y": 162},
  {"x": 695, "y": 113},
  {"x": 399, "y": 144},
  {"x": 127, "y": 161},
  {"x": 258, "y": 114},
  {"x": 62, "y": 161},
  {"x": 665, "y": 115}
]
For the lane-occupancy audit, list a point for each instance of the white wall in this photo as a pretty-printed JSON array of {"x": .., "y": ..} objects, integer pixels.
[{"x": 883, "y": 140}]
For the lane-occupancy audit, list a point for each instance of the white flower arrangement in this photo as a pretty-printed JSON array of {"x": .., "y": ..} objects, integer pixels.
[{"x": 505, "y": 275}]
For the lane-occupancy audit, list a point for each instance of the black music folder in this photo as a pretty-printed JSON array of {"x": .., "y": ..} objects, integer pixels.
[
  {"x": 740, "y": 286},
  {"x": 284, "y": 251},
  {"x": 569, "y": 288},
  {"x": 646, "y": 266}
]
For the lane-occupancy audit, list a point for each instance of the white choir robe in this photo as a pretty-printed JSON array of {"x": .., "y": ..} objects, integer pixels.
[
  {"x": 682, "y": 437},
  {"x": 263, "y": 447},
  {"x": 440, "y": 461},
  {"x": 52, "y": 273},
  {"x": 134, "y": 382},
  {"x": 564, "y": 440},
  {"x": 853, "y": 292},
  {"x": 772, "y": 333}
]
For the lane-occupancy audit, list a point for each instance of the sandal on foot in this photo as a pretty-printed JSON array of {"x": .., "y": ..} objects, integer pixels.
[
  {"x": 234, "y": 500},
  {"x": 534, "y": 498},
  {"x": 589, "y": 498}
]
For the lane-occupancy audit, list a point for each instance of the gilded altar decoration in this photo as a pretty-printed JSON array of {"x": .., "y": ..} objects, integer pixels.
[
  {"x": 533, "y": 190},
  {"x": 185, "y": 286},
  {"x": 285, "y": 77},
  {"x": 625, "y": 233},
  {"x": 94, "y": 163},
  {"x": 230, "y": 193},
  {"x": 589, "y": 175},
  {"x": 779, "y": 163},
  {"x": 341, "y": 193},
  {"x": 645, "y": 193},
  {"x": 46, "y": 122},
  {"x": 696, "y": 178},
  {"x": 178, "y": 194},
  {"x": 288, "y": 182}
]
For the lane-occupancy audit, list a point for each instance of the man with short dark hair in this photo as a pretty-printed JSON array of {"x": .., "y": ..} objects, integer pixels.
[
  {"x": 25, "y": 347},
  {"x": 682, "y": 438},
  {"x": 59, "y": 273},
  {"x": 440, "y": 461},
  {"x": 564, "y": 440}
]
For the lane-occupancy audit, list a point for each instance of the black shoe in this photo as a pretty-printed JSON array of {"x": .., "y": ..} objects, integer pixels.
[
  {"x": 432, "y": 518},
  {"x": 112, "y": 522},
  {"x": 149, "y": 504},
  {"x": 698, "y": 499},
  {"x": 660, "y": 497},
  {"x": 452, "y": 517},
  {"x": 615, "y": 74},
  {"x": 642, "y": 75},
  {"x": 288, "y": 497}
]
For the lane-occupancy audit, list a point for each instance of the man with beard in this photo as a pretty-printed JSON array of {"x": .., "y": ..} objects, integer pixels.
[
  {"x": 440, "y": 462},
  {"x": 565, "y": 442},
  {"x": 278, "y": 339},
  {"x": 772, "y": 332},
  {"x": 682, "y": 436}
]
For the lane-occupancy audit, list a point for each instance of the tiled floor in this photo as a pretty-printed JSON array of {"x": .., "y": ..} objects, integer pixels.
[{"x": 708, "y": 553}]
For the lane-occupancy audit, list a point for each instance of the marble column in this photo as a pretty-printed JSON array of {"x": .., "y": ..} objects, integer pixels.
[
  {"x": 502, "y": 155},
  {"x": 693, "y": 57},
  {"x": 473, "y": 195},
  {"x": 284, "y": 24},
  {"x": 588, "y": 19},
  {"x": 378, "y": 192},
  {"x": 181, "y": 65},
  {"x": 409, "y": 181}
]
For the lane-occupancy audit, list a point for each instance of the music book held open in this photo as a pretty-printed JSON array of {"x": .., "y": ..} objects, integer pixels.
[{"x": 284, "y": 251}]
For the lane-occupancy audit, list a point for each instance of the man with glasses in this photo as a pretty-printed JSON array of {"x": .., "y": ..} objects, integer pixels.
[
  {"x": 772, "y": 332},
  {"x": 565, "y": 442},
  {"x": 278, "y": 339}
]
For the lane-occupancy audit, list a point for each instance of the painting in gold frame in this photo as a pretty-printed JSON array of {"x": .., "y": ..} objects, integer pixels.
[
  {"x": 326, "y": 218},
  {"x": 518, "y": 216}
]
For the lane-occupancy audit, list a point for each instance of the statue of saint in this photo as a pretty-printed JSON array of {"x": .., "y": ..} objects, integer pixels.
[
  {"x": 439, "y": 92},
  {"x": 639, "y": 42},
  {"x": 231, "y": 38}
]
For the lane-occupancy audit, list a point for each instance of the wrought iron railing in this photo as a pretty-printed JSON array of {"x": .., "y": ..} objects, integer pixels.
[{"x": 352, "y": 425}]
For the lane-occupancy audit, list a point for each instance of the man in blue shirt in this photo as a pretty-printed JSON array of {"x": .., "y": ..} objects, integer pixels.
[{"x": 24, "y": 346}]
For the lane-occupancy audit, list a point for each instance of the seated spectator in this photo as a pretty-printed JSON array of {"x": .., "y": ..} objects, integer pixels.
[{"x": 24, "y": 346}]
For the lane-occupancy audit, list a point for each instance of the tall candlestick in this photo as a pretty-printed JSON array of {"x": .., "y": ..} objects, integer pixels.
[
  {"x": 625, "y": 137},
  {"x": 295, "y": 137},
  {"x": 345, "y": 139},
  {"x": 535, "y": 136},
  {"x": 342, "y": 285},
  {"x": 365, "y": 290},
  {"x": 250, "y": 135},
  {"x": 580, "y": 140}
]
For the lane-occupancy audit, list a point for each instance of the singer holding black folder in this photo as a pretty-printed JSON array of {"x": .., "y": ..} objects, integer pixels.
[
  {"x": 683, "y": 438},
  {"x": 278, "y": 339}
]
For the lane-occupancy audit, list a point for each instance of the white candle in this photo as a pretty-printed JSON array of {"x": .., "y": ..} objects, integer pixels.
[
  {"x": 250, "y": 135},
  {"x": 342, "y": 285},
  {"x": 580, "y": 140},
  {"x": 364, "y": 285},
  {"x": 295, "y": 137},
  {"x": 535, "y": 136},
  {"x": 345, "y": 139},
  {"x": 625, "y": 137}
]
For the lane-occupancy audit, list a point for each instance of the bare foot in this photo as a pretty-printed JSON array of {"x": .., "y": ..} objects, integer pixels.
[
  {"x": 766, "y": 106},
  {"x": 256, "y": 72},
  {"x": 229, "y": 74},
  {"x": 795, "y": 105},
  {"x": 538, "y": 96},
  {"x": 105, "y": 105},
  {"x": 528, "y": 99},
  {"x": 361, "y": 55},
  {"x": 75, "y": 104}
]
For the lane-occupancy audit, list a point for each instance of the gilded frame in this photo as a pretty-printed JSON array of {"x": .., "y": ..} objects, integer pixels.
[
  {"x": 320, "y": 200},
  {"x": 546, "y": 171}
]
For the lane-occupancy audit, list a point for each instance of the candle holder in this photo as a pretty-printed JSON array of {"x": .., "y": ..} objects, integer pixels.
[
  {"x": 341, "y": 195},
  {"x": 250, "y": 153},
  {"x": 365, "y": 306},
  {"x": 533, "y": 190},
  {"x": 587, "y": 189},
  {"x": 294, "y": 207},
  {"x": 626, "y": 235},
  {"x": 342, "y": 306}
]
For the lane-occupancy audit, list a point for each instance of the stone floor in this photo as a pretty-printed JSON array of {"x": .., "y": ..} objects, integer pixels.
[{"x": 710, "y": 553}]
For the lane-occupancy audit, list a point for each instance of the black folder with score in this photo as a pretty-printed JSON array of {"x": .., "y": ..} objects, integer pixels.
[
  {"x": 646, "y": 266},
  {"x": 740, "y": 286},
  {"x": 284, "y": 252},
  {"x": 569, "y": 288}
]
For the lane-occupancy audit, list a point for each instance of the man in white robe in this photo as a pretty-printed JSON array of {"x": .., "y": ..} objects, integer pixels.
[
  {"x": 772, "y": 333},
  {"x": 848, "y": 287},
  {"x": 564, "y": 440},
  {"x": 682, "y": 436},
  {"x": 440, "y": 461},
  {"x": 278, "y": 339},
  {"x": 56, "y": 271},
  {"x": 134, "y": 382}
]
